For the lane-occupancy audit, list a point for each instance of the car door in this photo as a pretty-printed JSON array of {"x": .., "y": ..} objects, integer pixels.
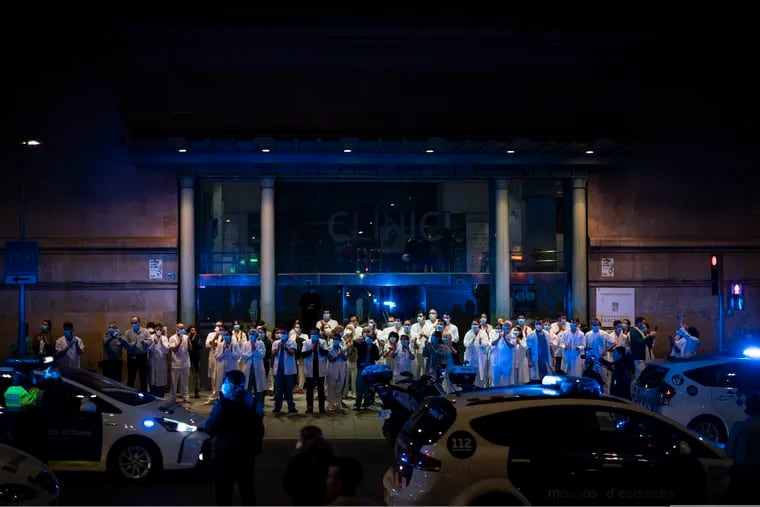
[
  {"x": 733, "y": 380},
  {"x": 75, "y": 433},
  {"x": 641, "y": 461},
  {"x": 550, "y": 458}
]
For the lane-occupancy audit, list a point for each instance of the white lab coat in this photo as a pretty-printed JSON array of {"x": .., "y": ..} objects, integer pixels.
[
  {"x": 520, "y": 370},
  {"x": 239, "y": 337},
  {"x": 211, "y": 340},
  {"x": 556, "y": 330},
  {"x": 599, "y": 344},
  {"x": 227, "y": 358},
  {"x": 325, "y": 328},
  {"x": 180, "y": 356},
  {"x": 70, "y": 358},
  {"x": 403, "y": 359},
  {"x": 502, "y": 352},
  {"x": 573, "y": 344},
  {"x": 453, "y": 330},
  {"x": 533, "y": 351},
  {"x": 252, "y": 355},
  {"x": 308, "y": 361},
  {"x": 476, "y": 353},
  {"x": 159, "y": 362},
  {"x": 290, "y": 359}
]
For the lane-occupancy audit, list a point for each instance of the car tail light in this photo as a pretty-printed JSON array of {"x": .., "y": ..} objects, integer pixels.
[
  {"x": 419, "y": 460},
  {"x": 665, "y": 393}
]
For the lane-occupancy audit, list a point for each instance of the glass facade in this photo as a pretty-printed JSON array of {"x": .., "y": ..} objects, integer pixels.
[{"x": 419, "y": 245}]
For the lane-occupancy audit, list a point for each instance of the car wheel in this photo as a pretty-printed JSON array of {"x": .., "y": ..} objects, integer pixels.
[
  {"x": 496, "y": 499},
  {"x": 135, "y": 460},
  {"x": 710, "y": 427}
]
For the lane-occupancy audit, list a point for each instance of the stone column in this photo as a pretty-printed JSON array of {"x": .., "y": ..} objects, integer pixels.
[
  {"x": 266, "y": 255},
  {"x": 502, "y": 263},
  {"x": 579, "y": 273},
  {"x": 187, "y": 276}
]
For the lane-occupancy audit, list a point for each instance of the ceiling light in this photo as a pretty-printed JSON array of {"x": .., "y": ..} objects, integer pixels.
[
  {"x": 182, "y": 150},
  {"x": 31, "y": 142},
  {"x": 430, "y": 150},
  {"x": 228, "y": 220},
  {"x": 265, "y": 150},
  {"x": 589, "y": 152},
  {"x": 511, "y": 152},
  {"x": 346, "y": 150}
]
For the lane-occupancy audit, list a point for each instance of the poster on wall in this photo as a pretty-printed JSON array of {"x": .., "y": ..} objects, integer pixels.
[
  {"x": 155, "y": 269},
  {"x": 608, "y": 267},
  {"x": 613, "y": 303}
]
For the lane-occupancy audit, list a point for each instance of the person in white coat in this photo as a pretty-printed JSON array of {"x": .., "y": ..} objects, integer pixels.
[
  {"x": 556, "y": 330},
  {"x": 520, "y": 368},
  {"x": 450, "y": 328},
  {"x": 502, "y": 351},
  {"x": 315, "y": 351},
  {"x": 417, "y": 340},
  {"x": 158, "y": 360},
  {"x": 336, "y": 371},
  {"x": 227, "y": 356},
  {"x": 252, "y": 354},
  {"x": 180, "y": 349},
  {"x": 68, "y": 347},
  {"x": 212, "y": 339},
  {"x": 477, "y": 342},
  {"x": 574, "y": 342},
  {"x": 598, "y": 344},
  {"x": 326, "y": 325},
  {"x": 403, "y": 359},
  {"x": 540, "y": 357},
  {"x": 284, "y": 369}
]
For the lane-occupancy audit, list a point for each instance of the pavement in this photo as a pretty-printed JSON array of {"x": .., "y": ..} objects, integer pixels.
[{"x": 345, "y": 424}]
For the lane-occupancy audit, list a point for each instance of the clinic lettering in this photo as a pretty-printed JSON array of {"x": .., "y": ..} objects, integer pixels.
[
  {"x": 611, "y": 494},
  {"x": 69, "y": 433},
  {"x": 341, "y": 226}
]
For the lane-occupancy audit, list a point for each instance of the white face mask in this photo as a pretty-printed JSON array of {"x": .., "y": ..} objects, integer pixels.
[
  {"x": 433, "y": 316},
  {"x": 326, "y": 316}
]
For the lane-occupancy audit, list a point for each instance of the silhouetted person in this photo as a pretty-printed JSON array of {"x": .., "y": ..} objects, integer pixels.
[
  {"x": 343, "y": 478},
  {"x": 238, "y": 432},
  {"x": 743, "y": 447},
  {"x": 311, "y": 306},
  {"x": 305, "y": 479},
  {"x": 623, "y": 369}
]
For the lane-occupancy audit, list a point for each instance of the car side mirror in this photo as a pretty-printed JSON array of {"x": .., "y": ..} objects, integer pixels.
[{"x": 684, "y": 449}]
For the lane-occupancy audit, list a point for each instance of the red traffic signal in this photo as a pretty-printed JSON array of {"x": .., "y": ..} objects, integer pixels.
[{"x": 716, "y": 272}]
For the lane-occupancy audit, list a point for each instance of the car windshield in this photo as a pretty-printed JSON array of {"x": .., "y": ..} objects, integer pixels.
[{"x": 111, "y": 388}]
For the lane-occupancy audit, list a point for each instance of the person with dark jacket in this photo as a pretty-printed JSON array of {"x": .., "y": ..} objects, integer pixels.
[
  {"x": 305, "y": 479},
  {"x": 367, "y": 354},
  {"x": 623, "y": 369},
  {"x": 237, "y": 430},
  {"x": 640, "y": 342}
]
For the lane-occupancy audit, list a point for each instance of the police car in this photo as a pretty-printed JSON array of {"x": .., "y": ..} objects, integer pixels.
[
  {"x": 704, "y": 393},
  {"x": 25, "y": 480},
  {"x": 546, "y": 445},
  {"x": 103, "y": 425}
]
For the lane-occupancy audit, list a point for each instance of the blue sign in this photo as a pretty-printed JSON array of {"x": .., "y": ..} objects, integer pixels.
[{"x": 21, "y": 260}]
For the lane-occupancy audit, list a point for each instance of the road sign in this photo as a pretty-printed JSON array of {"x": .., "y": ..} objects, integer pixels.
[{"x": 21, "y": 262}]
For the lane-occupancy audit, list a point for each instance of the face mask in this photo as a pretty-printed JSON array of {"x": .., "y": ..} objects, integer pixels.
[
  {"x": 515, "y": 334},
  {"x": 642, "y": 326},
  {"x": 562, "y": 321},
  {"x": 372, "y": 325},
  {"x": 404, "y": 343},
  {"x": 369, "y": 340},
  {"x": 439, "y": 328},
  {"x": 482, "y": 320},
  {"x": 595, "y": 328},
  {"x": 447, "y": 319},
  {"x": 112, "y": 331},
  {"x": 336, "y": 342},
  {"x": 393, "y": 340},
  {"x": 217, "y": 329},
  {"x": 619, "y": 329},
  {"x": 433, "y": 316},
  {"x": 68, "y": 333},
  {"x": 43, "y": 329},
  {"x": 539, "y": 327},
  {"x": 136, "y": 326},
  {"x": 252, "y": 336},
  {"x": 261, "y": 336},
  {"x": 326, "y": 316},
  {"x": 284, "y": 337},
  {"x": 445, "y": 340},
  {"x": 625, "y": 326},
  {"x": 297, "y": 329},
  {"x": 397, "y": 325},
  {"x": 420, "y": 319},
  {"x": 474, "y": 327},
  {"x": 407, "y": 329},
  {"x": 521, "y": 321},
  {"x": 180, "y": 331},
  {"x": 572, "y": 327},
  {"x": 236, "y": 327}
]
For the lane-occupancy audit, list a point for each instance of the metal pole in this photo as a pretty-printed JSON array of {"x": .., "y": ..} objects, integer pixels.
[
  {"x": 721, "y": 319},
  {"x": 21, "y": 348}
]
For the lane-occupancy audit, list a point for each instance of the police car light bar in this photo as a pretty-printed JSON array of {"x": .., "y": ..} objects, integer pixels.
[
  {"x": 552, "y": 380},
  {"x": 752, "y": 352}
]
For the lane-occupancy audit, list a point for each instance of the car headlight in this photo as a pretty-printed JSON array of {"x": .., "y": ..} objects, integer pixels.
[{"x": 174, "y": 425}]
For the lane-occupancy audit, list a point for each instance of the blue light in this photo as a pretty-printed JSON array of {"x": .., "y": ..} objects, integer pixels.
[
  {"x": 149, "y": 423},
  {"x": 390, "y": 304},
  {"x": 753, "y": 352}
]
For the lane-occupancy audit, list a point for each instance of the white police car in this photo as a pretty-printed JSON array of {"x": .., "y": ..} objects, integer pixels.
[
  {"x": 544, "y": 445},
  {"x": 704, "y": 393},
  {"x": 25, "y": 480},
  {"x": 99, "y": 424}
]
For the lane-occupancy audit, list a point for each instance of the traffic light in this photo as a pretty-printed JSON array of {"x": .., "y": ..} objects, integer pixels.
[
  {"x": 716, "y": 273},
  {"x": 736, "y": 296}
]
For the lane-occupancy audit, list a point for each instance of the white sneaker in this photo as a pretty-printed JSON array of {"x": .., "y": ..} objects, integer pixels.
[{"x": 209, "y": 402}]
